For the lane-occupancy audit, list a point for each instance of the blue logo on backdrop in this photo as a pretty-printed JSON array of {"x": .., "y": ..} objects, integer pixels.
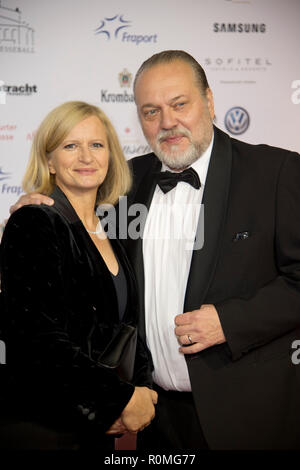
[
  {"x": 7, "y": 188},
  {"x": 237, "y": 120},
  {"x": 114, "y": 27},
  {"x": 3, "y": 175}
]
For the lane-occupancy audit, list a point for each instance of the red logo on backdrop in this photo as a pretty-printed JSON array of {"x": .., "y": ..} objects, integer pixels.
[
  {"x": 30, "y": 135},
  {"x": 7, "y": 131}
]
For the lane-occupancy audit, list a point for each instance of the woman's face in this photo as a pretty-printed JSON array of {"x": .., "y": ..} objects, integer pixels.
[{"x": 80, "y": 162}]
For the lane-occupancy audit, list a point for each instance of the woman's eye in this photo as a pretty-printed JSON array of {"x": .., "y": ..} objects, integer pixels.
[
  {"x": 97, "y": 145},
  {"x": 70, "y": 146}
]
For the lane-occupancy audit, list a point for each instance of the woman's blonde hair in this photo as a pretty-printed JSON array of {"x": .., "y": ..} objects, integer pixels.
[{"x": 51, "y": 133}]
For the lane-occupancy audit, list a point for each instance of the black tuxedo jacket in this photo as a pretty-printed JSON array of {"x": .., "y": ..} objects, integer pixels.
[
  {"x": 60, "y": 311},
  {"x": 247, "y": 390}
]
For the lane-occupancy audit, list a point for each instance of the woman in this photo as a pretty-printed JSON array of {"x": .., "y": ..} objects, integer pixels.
[{"x": 65, "y": 290}]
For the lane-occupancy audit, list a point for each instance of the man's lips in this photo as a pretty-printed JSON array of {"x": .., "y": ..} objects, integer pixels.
[{"x": 172, "y": 140}]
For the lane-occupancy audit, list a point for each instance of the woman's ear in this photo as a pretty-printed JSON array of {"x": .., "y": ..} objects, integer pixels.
[{"x": 51, "y": 167}]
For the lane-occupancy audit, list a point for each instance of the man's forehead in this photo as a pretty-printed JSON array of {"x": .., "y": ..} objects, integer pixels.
[
  {"x": 174, "y": 78},
  {"x": 169, "y": 69}
]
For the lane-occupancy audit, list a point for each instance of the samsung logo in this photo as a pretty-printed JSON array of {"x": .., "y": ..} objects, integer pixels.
[{"x": 239, "y": 27}]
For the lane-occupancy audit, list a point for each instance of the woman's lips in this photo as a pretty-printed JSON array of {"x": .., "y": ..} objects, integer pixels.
[{"x": 85, "y": 171}]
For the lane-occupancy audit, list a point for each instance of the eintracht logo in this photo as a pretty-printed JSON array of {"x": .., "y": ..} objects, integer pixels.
[{"x": 237, "y": 120}]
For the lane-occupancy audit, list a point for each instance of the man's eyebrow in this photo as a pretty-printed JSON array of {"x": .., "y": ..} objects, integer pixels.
[
  {"x": 150, "y": 105},
  {"x": 177, "y": 98}
]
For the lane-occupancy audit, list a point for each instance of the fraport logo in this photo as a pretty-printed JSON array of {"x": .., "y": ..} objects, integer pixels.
[
  {"x": 6, "y": 188},
  {"x": 116, "y": 27},
  {"x": 237, "y": 120},
  {"x": 3, "y": 175}
]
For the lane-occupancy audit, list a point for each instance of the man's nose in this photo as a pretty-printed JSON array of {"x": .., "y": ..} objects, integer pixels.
[{"x": 168, "y": 119}]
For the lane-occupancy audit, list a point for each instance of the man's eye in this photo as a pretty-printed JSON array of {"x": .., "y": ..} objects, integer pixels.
[
  {"x": 150, "y": 113},
  {"x": 179, "y": 105}
]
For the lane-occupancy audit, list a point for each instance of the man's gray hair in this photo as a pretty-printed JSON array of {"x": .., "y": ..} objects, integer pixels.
[{"x": 166, "y": 57}]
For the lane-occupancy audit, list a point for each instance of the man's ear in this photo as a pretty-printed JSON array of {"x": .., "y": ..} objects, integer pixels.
[{"x": 210, "y": 102}]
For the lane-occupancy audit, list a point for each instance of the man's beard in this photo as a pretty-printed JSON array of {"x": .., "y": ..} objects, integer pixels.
[{"x": 177, "y": 159}]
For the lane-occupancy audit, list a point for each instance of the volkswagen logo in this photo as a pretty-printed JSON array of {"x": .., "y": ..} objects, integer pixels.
[{"x": 237, "y": 120}]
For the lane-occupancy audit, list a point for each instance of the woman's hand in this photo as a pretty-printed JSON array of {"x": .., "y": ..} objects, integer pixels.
[
  {"x": 117, "y": 428},
  {"x": 139, "y": 411}
]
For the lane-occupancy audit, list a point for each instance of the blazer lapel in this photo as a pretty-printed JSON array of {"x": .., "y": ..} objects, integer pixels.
[
  {"x": 63, "y": 205},
  {"x": 98, "y": 266},
  {"x": 215, "y": 199}
]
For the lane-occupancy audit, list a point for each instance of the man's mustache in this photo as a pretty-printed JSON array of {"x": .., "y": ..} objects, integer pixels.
[{"x": 173, "y": 133}]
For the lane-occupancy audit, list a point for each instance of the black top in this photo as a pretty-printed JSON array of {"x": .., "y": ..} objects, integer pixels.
[
  {"x": 60, "y": 312},
  {"x": 120, "y": 283}
]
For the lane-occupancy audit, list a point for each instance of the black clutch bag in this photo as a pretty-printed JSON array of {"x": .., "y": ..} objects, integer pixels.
[{"x": 119, "y": 354}]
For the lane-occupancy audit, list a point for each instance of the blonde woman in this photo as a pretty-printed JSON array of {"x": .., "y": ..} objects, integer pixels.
[{"x": 65, "y": 291}]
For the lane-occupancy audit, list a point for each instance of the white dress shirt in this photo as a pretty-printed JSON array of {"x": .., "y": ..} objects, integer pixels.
[{"x": 168, "y": 238}]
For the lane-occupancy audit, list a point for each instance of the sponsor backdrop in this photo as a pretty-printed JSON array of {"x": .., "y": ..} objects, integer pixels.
[{"x": 51, "y": 52}]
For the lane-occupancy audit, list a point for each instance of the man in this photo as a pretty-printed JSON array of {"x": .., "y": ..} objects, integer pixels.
[{"x": 220, "y": 319}]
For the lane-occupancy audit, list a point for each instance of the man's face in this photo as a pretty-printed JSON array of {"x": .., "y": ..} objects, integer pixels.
[{"x": 177, "y": 120}]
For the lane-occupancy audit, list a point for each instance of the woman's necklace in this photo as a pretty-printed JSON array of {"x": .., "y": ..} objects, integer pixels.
[
  {"x": 98, "y": 229},
  {"x": 94, "y": 233}
]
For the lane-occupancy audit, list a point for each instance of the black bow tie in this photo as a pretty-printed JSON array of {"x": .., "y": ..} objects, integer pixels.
[{"x": 168, "y": 180}]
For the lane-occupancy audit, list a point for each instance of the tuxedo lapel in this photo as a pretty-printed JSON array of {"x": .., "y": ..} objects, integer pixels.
[
  {"x": 214, "y": 202},
  {"x": 142, "y": 196}
]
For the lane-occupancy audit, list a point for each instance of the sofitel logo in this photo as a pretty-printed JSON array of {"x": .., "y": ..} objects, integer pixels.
[
  {"x": 15, "y": 34},
  {"x": 238, "y": 64}
]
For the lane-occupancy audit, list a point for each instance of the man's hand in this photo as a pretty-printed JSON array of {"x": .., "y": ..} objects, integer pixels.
[
  {"x": 139, "y": 411},
  {"x": 31, "y": 198},
  {"x": 199, "y": 329}
]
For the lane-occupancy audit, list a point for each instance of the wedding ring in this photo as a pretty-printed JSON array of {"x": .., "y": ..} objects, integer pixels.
[{"x": 189, "y": 338}]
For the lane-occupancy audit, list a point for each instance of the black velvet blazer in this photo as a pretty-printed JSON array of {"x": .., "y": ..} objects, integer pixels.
[{"x": 60, "y": 311}]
